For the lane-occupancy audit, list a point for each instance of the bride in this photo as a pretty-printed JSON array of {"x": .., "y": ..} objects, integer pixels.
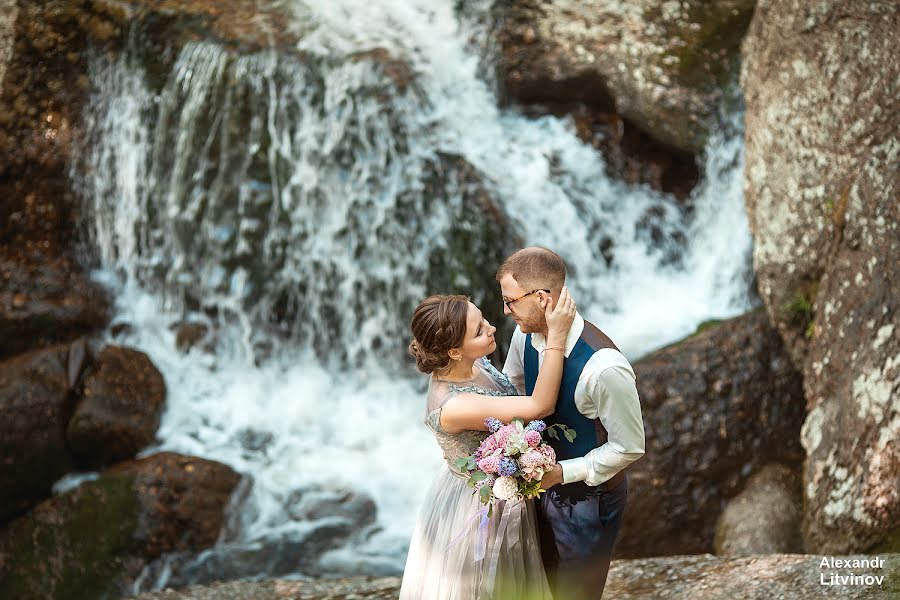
[{"x": 452, "y": 554}]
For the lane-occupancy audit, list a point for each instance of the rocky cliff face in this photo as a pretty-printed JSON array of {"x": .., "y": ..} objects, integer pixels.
[
  {"x": 662, "y": 65},
  {"x": 822, "y": 87}
]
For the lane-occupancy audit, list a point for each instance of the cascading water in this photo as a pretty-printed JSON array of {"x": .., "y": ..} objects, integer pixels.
[{"x": 299, "y": 206}]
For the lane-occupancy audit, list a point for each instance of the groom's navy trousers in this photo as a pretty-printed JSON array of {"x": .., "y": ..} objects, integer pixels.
[
  {"x": 578, "y": 526},
  {"x": 578, "y": 523}
]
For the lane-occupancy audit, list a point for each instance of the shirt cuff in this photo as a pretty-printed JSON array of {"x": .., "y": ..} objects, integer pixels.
[{"x": 574, "y": 469}]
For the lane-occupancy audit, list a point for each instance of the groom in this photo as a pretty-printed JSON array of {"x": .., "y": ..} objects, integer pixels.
[{"x": 578, "y": 520}]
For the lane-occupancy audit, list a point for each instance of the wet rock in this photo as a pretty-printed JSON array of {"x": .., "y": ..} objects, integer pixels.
[
  {"x": 320, "y": 503},
  {"x": 326, "y": 519},
  {"x": 45, "y": 300},
  {"x": 717, "y": 407},
  {"x": 189, "y": 335},
  {"x": 35, "y": 404},
  {"x": 480, "y": 239},
  {"x": 661, "y": 65},
  {"x": 765, "y": 517},
  {"x": 119, "y": 409},
  {"x": 823, "y": 103},
  {"x": 97, "y": 537}
]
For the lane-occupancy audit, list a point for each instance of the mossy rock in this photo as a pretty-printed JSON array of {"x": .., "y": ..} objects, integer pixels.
[{"x": 97, "y": 537}]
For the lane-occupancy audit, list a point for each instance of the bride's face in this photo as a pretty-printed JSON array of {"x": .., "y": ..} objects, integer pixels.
[{"x": 479, "y": 340}]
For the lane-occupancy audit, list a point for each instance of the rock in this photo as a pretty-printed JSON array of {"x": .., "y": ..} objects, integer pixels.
[
  {"x": 189, "y": 334},
  {"x": 662, "y": 65},
  {"x": 852, "y": 433},
  {"x": 478, "y": 242},
  {"x": 9, "y": 11},
  {"x": 717, "y": 407},
  {"x": 97, "y": 537},
  {"x": 763, "y": 577},
  {"x": 35, "y": 404},
  {"x": 350, "y": 588},
  {"x": 822, "y": 87},
  {"x": 317, "y": 503},
  {"x": 765, "y": 517},
  {"x": 45, "y": 300},
  {"x": 704, "y": 577},
  {"x": 325, "y": 519},
  {"x": 121, "y": 403}
]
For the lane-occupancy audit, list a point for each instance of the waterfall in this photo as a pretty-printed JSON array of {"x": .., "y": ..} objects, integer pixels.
[{"x": 298, "y": 206}]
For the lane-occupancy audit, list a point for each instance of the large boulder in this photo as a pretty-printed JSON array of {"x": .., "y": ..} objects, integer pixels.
[
  {"x": 121, "y": 402},
  {"x": 661, "y": 64},
  {"x": 821, "y": 89},
  {"x": 765, "y": 517},
  {"x": 35, "y": 404},
  {"x": 97, "y": 537},
  {"x": 717, "y": 407},
  {"x": 852, "y": 373},
  {"x": 46, "y": 299},
  {"x": 324, "y": 519},
  {"x": 822, "y": 86}
]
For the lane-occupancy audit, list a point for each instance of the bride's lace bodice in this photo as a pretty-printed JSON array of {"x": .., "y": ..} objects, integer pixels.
[{"x": 490, "y": 382}]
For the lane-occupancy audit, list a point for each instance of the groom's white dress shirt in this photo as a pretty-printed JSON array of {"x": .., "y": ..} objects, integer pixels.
[{"x": 606, "y": 390}]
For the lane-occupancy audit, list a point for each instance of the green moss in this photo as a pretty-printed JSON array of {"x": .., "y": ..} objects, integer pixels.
[
  {"x": 798, "y": 309},
  {"x": 707, "y": 325},
  {"x": 81, "y": 543}
]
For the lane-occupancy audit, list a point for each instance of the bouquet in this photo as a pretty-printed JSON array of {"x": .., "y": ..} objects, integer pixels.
[{"x": 511, "y": 461}]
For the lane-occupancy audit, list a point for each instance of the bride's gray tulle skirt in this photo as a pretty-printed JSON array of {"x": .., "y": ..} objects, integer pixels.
[{"x": 442, "y": 554}]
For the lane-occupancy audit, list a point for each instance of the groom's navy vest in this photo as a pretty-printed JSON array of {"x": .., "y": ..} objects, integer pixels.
[{"x": 590, "y": 432}]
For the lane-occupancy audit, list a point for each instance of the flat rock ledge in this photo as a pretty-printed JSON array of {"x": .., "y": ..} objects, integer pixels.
[{"x": 694, "y": 577}]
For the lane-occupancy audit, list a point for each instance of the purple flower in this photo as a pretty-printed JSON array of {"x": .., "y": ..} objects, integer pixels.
[
  {"x": 493, "y": 424},
  {"x": 507, "y": 467},
  {"x": 538, "y": 426}
]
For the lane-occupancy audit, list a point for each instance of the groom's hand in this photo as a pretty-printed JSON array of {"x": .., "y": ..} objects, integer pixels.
[{"x": 552, "y": 478}]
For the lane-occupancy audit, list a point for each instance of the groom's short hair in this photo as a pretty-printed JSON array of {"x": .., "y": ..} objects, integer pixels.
[{"x": 535, "y": 267}]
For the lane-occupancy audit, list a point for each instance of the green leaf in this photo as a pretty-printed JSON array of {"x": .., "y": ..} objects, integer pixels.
[
  {"x": 484, "y": 494},
  {"x": 552, "y": 434},
  {"x": 461, "y": 462},
  {"x": 490, "y": 510},
  {"x": 570, "y": 435},
  {"x": 479, "y": 475}
]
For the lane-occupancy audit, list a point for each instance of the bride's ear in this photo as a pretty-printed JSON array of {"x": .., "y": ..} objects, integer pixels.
[{"x": 454, "y": 354}]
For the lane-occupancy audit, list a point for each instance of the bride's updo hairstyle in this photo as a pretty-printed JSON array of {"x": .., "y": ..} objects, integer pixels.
[{"x": 438, "y": 325}]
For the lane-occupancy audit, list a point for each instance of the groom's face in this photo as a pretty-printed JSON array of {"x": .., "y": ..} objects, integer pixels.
[{"x": 527, "y": 311}]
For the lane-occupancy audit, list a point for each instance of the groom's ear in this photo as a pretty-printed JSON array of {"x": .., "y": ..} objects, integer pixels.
[{"x": 545, "y": 296}]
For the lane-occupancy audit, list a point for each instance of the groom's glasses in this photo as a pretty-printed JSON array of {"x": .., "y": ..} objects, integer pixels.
[{"x": 508, "y": 302}]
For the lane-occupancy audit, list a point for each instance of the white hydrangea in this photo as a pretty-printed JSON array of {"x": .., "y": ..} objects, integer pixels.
[{"x": 506, "y": 488}]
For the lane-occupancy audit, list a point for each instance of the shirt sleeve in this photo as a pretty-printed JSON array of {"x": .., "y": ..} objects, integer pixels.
[
  {"x": 613, "y": 394},
  {"x": 514, "y": 368}
]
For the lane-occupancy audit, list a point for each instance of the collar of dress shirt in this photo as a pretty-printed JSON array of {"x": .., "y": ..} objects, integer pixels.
[{"x": 538, "y": 341}]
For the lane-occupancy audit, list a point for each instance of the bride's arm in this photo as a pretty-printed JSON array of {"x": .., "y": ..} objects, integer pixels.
[{"x": 469, "y": 410}]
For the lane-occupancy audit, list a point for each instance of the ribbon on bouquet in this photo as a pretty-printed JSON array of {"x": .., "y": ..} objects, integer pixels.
[
  {"x": 510, "y": 521},
  {"x": 509, "y": 526},
  {"x": 481, "y": 538}
]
